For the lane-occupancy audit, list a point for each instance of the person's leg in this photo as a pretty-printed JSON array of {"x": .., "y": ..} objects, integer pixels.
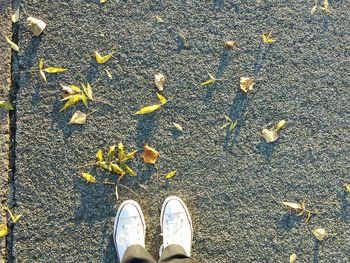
[
  {"x": 176, "y": 226},
  {"x": 129, "y": 234}
]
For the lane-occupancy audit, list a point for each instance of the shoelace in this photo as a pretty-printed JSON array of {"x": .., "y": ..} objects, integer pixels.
[
  {"x": 174, "y": 228},
  {"x": 130, "y": 232}
]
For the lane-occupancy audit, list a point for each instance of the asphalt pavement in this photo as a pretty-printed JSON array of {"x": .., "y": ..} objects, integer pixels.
[{"x": 233, "y": 182}]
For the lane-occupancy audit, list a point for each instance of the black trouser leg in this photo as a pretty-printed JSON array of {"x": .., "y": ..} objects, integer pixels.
[
  {"x": 137, "y": 254},
  {"x": 175, "y": 254}
]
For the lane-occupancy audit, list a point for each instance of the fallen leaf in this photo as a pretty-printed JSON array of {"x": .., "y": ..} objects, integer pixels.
[
  {"x": 313, "y": 10},
  {"x": 14, "y": 218},
  {"x": 171, "y": 174},
  {"x": 293, "y": 206},
  {"x": 270, "y": 135},
  {"x": 325, "y": 7},
  {"x": 233, "y": 125},
  {"x": 320, "y": 233},
  {"x": 292, "y": 258},
  {"x": 99, "y": 155},
  {"x": 129, "y": 156},
  {"x": 159, "y": 19},
  {"x": 71, "y": 100},
  {"x": 111, "y": 153},
  {"x": 159, "y": 81},
  {"x": 87, "y": 90},
  {"x": 148, "y": 109},
  {"x": 70, "y": 89},
  {"x": 104, "y": 166},
  {"x": 37, "y": 25},
  {"x": 42, "y": 73},
  {"x": 54, "y": 70},
  {"x": 247, "y": 84},
  {"x": 88, "y": 177},
  {"x": 13, "y": 45},
  {"x": 103, "y": 1},
  {"x": 347, "y": 186},
  {"x": 162, "y": 99},
  {"x": 6, "y": 105},
  {"x": 150, "y": 155},
  {"x": 109, "y": 74},
  {"x": 84, "y": 99},
  {"x": 280, "y": 125},
  {"x": 15, "y": 16},
  {"x": 129, "y": 170},
  {"x": 116, "y": 169},
  {"x": 178, "y": 127},
  {"x": 4, "y": 230},
  {"x": 121, "y": 153},
  {"x": 78, "y": 118},
  {"x": 267, "y": 38},
  {"x": 103, "y": 59},
  {"x": 210, "y": 81},
  {"x": 230, "y": 44}
]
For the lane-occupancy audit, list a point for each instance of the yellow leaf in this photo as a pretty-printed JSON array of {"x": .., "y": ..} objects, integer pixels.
[
  {"x": 42, "y": 73},
  {"x": 121, "y": 151},
  {"x": 109, "y": 74},
  {"x": 280, "y": 125},
  {"x": 103, "y": 59},
  {"x": 178, "y": 127},
  {"x": 148, "y": 109},
  {"x": 159, "y": 19},
  {"x": 54, "y": 70},
  {"x": 87, "y": 90},
  {"x": 84, "y": 99},
  {"x": 99, "y": 156},
  {"x": 41, "y": 64},
  {"x": 6, "y": 105},
  {"x": 129, "y": 156},
  {"x": 111, "y": 153},
  {"x": 313, "y": 10},
  {"x": 162, "y": 99},
  {"x": 129, "y": 170},
  {"x": 267, "y": 38},
  {"x": 104, "y": 166},
  {"x": 88, "y": 177},
  {"x": 15, "y": 16},
  {"x": 103, "y": 1},
  {"x": 13, "y": 45},
  {"x": 171, "y": 174},
  {"x": 208, "y": 82},
  {"x": 294, "y": 206},
  {"x": 347, "y": 186},
  {"x": 13, "y": 217},
  {"x": 78, "y": 118},
  {"x": 116, "y": 169},
  {"x": 71, "y": 89},
  {"x": 74, "y": 99},
  {"x": 4, "y": 230},
  {"x": 292, "y": 258},
  {"x": 150, "y": 155}
]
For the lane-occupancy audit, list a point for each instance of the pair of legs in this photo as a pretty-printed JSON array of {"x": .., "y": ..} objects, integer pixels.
[{"x": 176, "y": 226}]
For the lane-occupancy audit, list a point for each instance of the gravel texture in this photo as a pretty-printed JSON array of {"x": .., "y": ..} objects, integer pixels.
[{"x": 233, "y": 183}]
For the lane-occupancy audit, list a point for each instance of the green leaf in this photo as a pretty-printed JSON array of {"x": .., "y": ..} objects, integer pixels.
[
  {"x": 171, "y": 174},
  {"x": 120, "y": 151},
  {"x": 148, "y": 109},
  {"x": 129, "y": 156},
  {"x": 99, "y": 156},
  {"x": 111, "y": 153},
  {"x": 6, "y": 105}
]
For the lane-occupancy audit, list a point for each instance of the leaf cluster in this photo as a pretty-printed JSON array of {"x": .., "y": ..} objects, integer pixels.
[{"x": 76, "y": 95}]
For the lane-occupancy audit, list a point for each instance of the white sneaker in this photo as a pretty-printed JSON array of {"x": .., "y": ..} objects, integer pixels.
[
  {"x": 176, "y": 224},
  {"x": 129, "y": 227}
]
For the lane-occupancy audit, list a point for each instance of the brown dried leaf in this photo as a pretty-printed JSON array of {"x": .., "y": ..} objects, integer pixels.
[
  {"x": 37, "y": 25},
  {"x": 320, "y": 233},
  {"x": 159, "y": 81},
  {"x": 230, "y": 44},
  {"x": 247, "y": 84},
  {"x": 270, "y": 135},
  {"x": 150, "y": 155},
  {"x": 292, "y": 258}
]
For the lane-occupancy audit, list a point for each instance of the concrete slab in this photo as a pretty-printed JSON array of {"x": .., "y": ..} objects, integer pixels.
[{"x": 232, "y": 183}]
